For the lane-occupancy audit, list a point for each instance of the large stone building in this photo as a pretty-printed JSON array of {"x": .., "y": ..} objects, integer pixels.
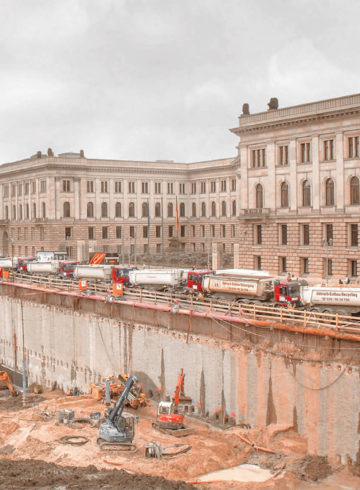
[{"x": 288, "y": 202}]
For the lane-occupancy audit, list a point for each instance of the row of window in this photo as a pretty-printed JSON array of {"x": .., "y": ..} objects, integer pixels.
[
  {"x": 90, "y": 210},
  {"x": 67, "y": 186},
  {"x": 327, "y": 152},
  {"x": 327, "y": 233},
  {"x": 329, "y": 197},
  {"x": 327, "y": 266}
]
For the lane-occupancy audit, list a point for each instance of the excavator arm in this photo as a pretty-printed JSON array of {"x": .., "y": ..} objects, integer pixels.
[{"x": 4, "y": 377}]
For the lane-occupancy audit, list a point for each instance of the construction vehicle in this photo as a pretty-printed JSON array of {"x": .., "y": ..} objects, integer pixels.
[
  {"x": 5, "y": 380},
  {"x": 254, "y": 289},
  {"x": 67, "y": 268},
  {"x": 93, "y": 272},
  {"x": 135, "y": 399},
  {"x": 117, "y": 430},
  {"x": 45, "y": 267},
  {"x": 120, "y": 275},
  {"x": 170, "y": 414}
]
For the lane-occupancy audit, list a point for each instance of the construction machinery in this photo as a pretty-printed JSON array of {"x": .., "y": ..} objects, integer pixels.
[
  {"x": 136, "y": 397},
  {"x": 6, "y": 380},
  {"x": 117, "y": 430},
  {"x": 170, "y": 414}
]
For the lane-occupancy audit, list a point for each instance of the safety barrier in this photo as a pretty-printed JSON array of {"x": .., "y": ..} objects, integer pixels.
[{"x": 251, "y": 312}]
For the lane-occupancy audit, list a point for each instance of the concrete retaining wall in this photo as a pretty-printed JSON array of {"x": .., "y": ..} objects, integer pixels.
[{"x": 260, "y": 387}]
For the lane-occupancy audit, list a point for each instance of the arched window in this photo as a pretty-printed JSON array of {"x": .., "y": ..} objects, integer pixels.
[
  {"x": 144, "y": 210},
  {"x": 203, "y": 209},
  {"x": 306, "y": 193},
  {"x": 66, "y": 210},
  {"x": 193, "y": 210},
  {"x": 329, "y": 192},
  {"x": 43, "y": 210},
  {"x": 13, "y": 212},
  {"x": 284, "y": 195},
  {"x": 6, "y": 212},
  {"x": 170, "y": 209},
  {"x": 213, "y": 208},
  {"x": 223, "y": 208},
  {"x": 182, "y": 210},
  {"x": 34, "y": 210},
  {"x": 20, "y": 212},
  {"x": 104, "y": 210},
  {"x": 131, "y": 210},
  {"x": 354, "y": 191},
  {"x": 233, "y": 208},
  {"x": 90, "y": 210},
  {"x": 259, "y": 197},
  {"x": 157, "y": 210},
  {"x": 27, "y": 211},
  {"x": 118, "y": 210}
]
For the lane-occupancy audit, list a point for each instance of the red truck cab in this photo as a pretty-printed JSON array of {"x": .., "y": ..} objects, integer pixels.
[
  {"x": 23, "y": 262},
  {"x": 67, "y": 267},
  {"x": 195, "y": 278},
  {"x": 287, "y": 293},
  {"x": 121, "y": 274}
]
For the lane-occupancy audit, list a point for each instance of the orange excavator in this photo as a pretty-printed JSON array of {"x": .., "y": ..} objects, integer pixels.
[
  {"x": 169, "y": 418},
  {"x": 136, "y": 398},
  {"x": 5, "y": 379}
]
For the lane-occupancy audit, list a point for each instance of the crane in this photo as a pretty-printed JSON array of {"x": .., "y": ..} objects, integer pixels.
[{"x": 117, "y": 430}]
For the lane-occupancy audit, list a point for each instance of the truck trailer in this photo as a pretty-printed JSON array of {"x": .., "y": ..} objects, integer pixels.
[
  {"x": 344, "y": 300},
  {"x": 93, "y": 272},
  {"x": 159, "y": 279},
  {"x": 43, "y": 267}
]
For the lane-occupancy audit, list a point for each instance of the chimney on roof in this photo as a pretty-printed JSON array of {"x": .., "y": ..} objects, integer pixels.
[
  {"x": 82, "y": 155},
  {"x": 50, "y": 152}
]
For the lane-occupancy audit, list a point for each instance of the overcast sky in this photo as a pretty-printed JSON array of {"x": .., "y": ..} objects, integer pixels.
[{"x": 163, "y": 79}]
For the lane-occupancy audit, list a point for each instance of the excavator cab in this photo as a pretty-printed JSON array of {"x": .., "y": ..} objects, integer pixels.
[
  {"x": 167, "y": 416},
  {"x": 126, "y": 425}
]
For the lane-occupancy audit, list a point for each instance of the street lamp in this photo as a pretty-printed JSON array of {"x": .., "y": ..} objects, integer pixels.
[{"x": 327, "y": 244}]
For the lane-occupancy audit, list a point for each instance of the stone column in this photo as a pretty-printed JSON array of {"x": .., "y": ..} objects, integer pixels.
[
  {"x": 339, "y": 175},
  {"x": 243, "y": 182},
  {"x": 57, "y": 198},
  {"x": 77, "y": 197},
  {"x": 315, "y": 184},
  {"x": 217, "y": 256},
  {"x": 236, "y": 255},
  {"x": 293, "y": 201},
  {"x": 270, "y": 184}
]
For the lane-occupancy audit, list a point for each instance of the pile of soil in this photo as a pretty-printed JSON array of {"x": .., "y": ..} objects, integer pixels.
[
  {"x": 39, "y": 474},
  {"x": 312, "y": 468},
  {"x": 15, "y": 403}
]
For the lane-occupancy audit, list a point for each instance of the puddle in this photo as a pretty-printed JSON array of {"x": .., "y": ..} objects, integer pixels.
[{"x": 242, "y": 473}]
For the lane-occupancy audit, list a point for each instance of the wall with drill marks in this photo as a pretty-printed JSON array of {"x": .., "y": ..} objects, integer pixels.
[{"x": 320, "y": 399}]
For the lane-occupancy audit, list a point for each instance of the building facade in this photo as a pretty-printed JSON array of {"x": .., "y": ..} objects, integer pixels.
[{"x": 289, "y": 201}]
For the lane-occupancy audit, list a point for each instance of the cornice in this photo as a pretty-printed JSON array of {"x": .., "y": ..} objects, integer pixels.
[{"x": 291, "y": 122}]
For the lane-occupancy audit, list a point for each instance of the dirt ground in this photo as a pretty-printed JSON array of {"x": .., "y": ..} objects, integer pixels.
[{"x": 32, "y": 455}]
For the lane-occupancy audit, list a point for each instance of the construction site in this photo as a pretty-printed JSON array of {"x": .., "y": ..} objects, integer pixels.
[{"x": 106, "y": 387}]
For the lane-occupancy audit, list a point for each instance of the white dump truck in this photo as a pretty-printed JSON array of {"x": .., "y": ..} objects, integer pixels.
[
  {"x": 242, "y": 273},
  {"x": 159, "y": 279},
  {"x": 43, "y": 267},
  {"x": 8, "y": 262},
  {"x": 238, "y": 287},
  {"x": 93, "y": 272},
  {"x": 344, "y": 300}
]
